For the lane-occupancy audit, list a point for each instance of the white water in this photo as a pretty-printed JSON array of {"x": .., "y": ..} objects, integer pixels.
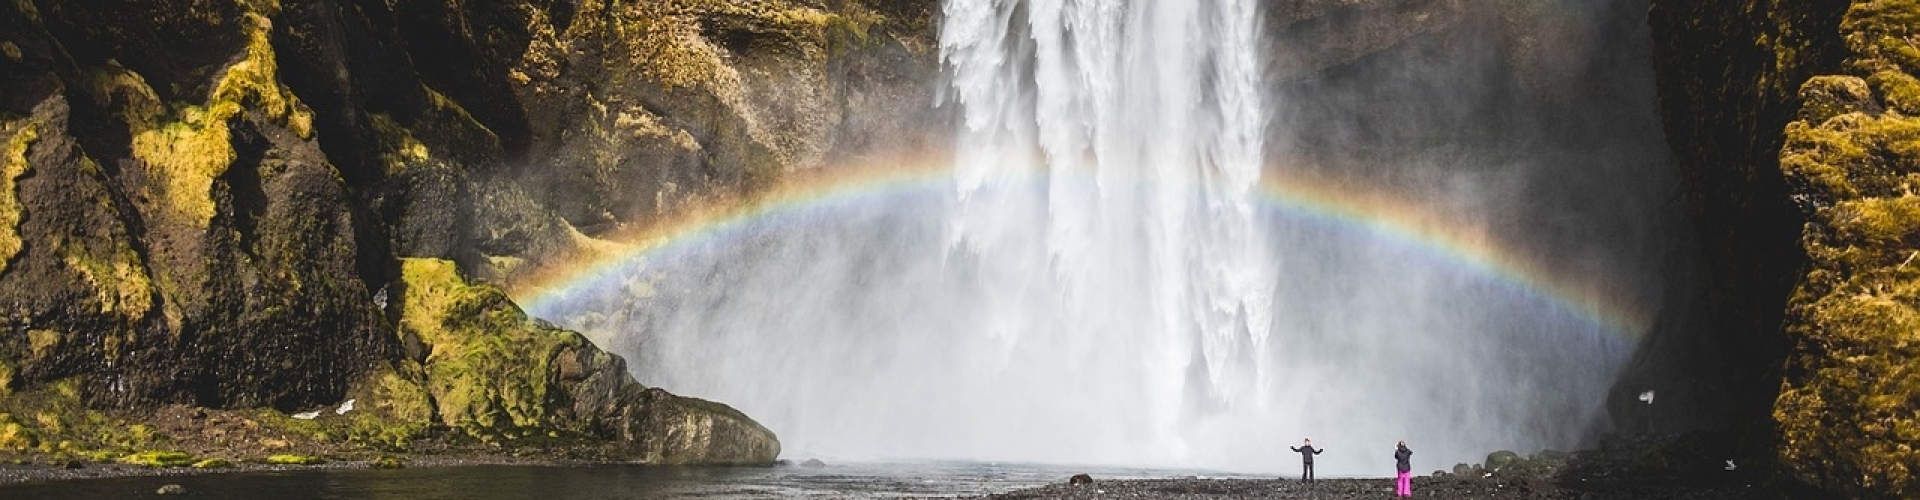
[
  {"x": 1098, "y": 285},
  {"x": 1145, "y": 119}
]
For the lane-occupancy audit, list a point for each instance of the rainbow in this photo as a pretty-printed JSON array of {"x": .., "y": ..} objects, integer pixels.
[{"x": 1380, "y": 214}]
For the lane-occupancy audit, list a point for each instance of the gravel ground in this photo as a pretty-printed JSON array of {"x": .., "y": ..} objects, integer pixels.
[{"x": 1430, "y": 488}]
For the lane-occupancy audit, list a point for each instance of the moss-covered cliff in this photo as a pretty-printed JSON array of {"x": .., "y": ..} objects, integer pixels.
[
  {"x": 219, "y": 204},
  {"x": 1849, "y": 410},
  {"x": 1796, "y": 121},
  {"x": 1726, "y": 73}
]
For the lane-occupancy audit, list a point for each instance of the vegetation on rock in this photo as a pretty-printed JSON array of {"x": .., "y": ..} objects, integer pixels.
[
  {"x": 1846, "y": 412},
  {"x": 291, "y": 459}
]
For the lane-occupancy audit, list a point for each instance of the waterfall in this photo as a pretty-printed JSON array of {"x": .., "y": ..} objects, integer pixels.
[
  {"x": 1100, "y": 278},
  {"x": 1107, "y": 162}
]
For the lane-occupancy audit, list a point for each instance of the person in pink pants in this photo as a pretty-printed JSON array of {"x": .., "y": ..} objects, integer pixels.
[{"x": 1403, "y": 483}]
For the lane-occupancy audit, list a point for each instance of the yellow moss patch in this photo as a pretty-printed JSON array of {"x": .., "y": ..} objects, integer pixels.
[
  {"x": 159, "y": 459},
  {"x": 291, "y": 459},
  {"x": 1852, "y": 154},
  {"x": 51, "y": 418},
  {"x": 398, "y": 147},
  {"x": 42, "y": 342},
  {"x": 489, "y": 365},
  {"x": 1900, "y": 90},
  {"x": 1882, "y": 32},
  {"x": 196, "y": 148},
  {"x": 15, "y": 436},
  {"x": 120, "y": 283},
  {"x": 13, "y": 164}
]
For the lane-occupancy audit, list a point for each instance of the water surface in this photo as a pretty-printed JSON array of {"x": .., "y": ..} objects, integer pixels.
[{"x": 610, "y": 482}]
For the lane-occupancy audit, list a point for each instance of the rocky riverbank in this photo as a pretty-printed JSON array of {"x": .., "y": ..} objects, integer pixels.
[{"x": 1425, "y": 487}]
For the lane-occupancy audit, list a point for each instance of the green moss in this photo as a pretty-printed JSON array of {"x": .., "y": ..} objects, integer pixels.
[
  {"x": 1901, "y": 91},
  {"x": 194, "y": 147},
  {"x": 212, "y": 463},
  {"x": 159, "y": 459},
  {"x": 1852, "y": 155},
  {"x": 398, "y": 147},
  {"x": 292, "y": 459},
  {"x": 1845, "y": 412},
  {"x": 851, "y": 31},
  {"x": 388, "y": 462},
  {"x": 1880, "y": 32},
  {"x": 50, "y": 418},
  {"x": 13, "y": 164},
  {"x": 488, "y": 365},
  {"x": 117, "y": 275}
]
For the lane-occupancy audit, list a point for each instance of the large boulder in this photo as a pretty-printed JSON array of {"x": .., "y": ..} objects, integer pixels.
[{"x": 477, "y": 364}]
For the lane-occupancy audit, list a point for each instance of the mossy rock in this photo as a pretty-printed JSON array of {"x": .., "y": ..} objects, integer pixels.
[
  {"x": 292, "y": 459},
  {"x": 386, "y": 462},
  {"x": 212, "y": 463},
  {"x": 159, "y": 459},
  {"x": 1502, "y": 459}
]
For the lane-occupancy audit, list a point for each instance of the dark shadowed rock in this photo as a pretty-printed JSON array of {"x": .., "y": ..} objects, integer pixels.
[{"x": 1080, "y": 479}]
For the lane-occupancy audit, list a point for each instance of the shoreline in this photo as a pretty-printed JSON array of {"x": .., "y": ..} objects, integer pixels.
[
  {"x": 16, "y": 474},
  {"x": 1427, "y": 487}
]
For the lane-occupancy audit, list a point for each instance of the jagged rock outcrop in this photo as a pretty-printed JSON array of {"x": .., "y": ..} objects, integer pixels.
[
  {"x": 476, "y": 363},
  {"x": 1795, "y": 123}
]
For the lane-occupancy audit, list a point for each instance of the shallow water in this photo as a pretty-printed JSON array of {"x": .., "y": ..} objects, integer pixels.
[{"x": 874, "y": 480}]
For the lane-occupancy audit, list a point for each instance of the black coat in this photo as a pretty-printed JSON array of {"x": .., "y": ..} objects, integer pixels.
[
  {"x": 1401, "y": 458},
  {"x": 1306, "y": 453}
]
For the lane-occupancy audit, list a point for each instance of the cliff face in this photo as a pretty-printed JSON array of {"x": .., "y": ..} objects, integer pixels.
[
  {"x": 1795, "y": 121},
  {"x": 1852, "y": 161},
  {"x": 209, "y": 203},
  {"x": 1726, "y": 73}
]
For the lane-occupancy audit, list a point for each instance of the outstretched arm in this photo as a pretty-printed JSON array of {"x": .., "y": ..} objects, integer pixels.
[
  {"x": 1317, "y": 451},
  {"x": 1296, "y": 449}
]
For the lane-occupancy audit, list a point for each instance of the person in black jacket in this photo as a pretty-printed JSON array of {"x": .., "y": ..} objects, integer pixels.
[
  {"x": 1403, "y": 483},
  {"x": 1306, "y": 459}
]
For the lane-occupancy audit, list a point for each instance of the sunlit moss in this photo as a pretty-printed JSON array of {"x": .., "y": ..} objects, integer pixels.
[
  {"x": 293, "y": 459},
  {"x": 1881, "y": 33},
  {"x": 1845, "y": 413},
  {"x": 398, "y": 147},
  {"x": 13, "y": 164},
  {"x": 118, "y": 277},
  {"x": 194, "y": 146},
  {"x": 1901, "y": 91},
  {"x": 51, "y": 418},
  {"x": 212, "y": 463},
  {"x": 159, "y": 459},
  {"x": 488, "y": 367}
]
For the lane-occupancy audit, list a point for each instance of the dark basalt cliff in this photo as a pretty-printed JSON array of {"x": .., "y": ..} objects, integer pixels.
[
  {"x": 235, "y": 204},
  {"x": 1794, "y": 124}
]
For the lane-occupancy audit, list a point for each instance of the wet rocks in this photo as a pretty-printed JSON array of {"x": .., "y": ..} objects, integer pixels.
[
  {"x": 1080, "y": 479},
  {"x": 171, "y": 489},
  {"x": 813, "y": 463}
]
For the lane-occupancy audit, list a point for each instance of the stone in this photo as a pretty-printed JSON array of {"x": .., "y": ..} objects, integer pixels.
[
  {"x": 171, "y": 489},
  {"x": 813, "y": 463},
  {"x": 1080, "y": 479}
]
